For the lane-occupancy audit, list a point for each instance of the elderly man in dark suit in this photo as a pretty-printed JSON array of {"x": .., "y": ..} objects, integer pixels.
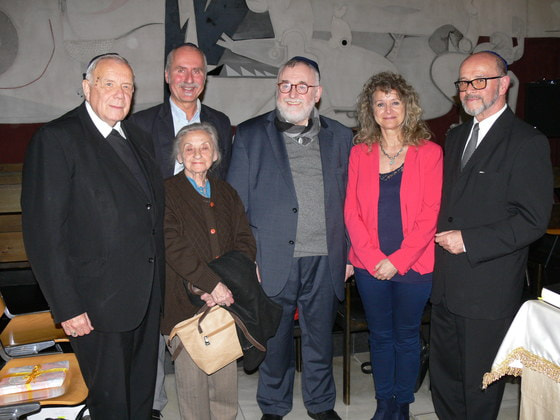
[
  {"x": 185, "y": 73},
  {"x": 290, "y": 168},
  {"x": 497, "y": 197},
  {"x": 92, "y": 202}
]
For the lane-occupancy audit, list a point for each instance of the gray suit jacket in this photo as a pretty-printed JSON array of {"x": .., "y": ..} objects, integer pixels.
[
  {"x": 501, "y": 202},
  {"x": 260, "y": 172}
]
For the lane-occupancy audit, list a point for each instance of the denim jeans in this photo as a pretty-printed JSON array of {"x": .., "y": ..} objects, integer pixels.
[{"x": 393, "y": 312}]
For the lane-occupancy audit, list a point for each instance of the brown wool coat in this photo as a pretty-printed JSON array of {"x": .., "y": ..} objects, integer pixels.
[{"x": 198, "y": 230}]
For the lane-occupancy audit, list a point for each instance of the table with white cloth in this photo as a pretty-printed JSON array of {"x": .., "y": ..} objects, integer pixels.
[{"x": 531, "y": 349}]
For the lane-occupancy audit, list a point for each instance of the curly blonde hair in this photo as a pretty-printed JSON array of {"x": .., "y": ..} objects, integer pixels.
[{"x": 414, "y": 129}]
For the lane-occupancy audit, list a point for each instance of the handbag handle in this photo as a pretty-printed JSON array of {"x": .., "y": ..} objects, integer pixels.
[{"x": 204, "y": 310}]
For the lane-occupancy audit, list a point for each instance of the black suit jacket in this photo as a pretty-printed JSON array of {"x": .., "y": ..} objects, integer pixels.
[
  {"x": 158, "y": 122},
  {"x": 501, "y": 202},
  {"x": 93, "y": 237}
]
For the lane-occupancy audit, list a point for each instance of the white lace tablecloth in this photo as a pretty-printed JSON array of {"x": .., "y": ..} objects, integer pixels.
[
  {"x": 531, "y": 349},
  {"x": 532, "y": 341}
]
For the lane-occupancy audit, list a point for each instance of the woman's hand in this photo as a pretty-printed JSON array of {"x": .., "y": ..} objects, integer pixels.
[
  {"x": 221, "y": 295},
  {"x": 385, "y": 270}
]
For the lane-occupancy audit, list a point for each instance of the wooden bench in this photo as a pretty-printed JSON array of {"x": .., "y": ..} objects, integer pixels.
[{"x": 12, "y": 250}]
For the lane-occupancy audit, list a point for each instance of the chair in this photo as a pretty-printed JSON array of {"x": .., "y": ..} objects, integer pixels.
[
  {"x": 30, "y": 333},
  {"x": 553, "y": 231},
  {"x": 351, "y": 318},
  {"x": 73, "y": 392},
  {"x": 16, "y": 406}
]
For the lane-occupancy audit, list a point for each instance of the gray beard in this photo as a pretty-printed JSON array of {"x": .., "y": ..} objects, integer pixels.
[{"x": 483, "y": 107}]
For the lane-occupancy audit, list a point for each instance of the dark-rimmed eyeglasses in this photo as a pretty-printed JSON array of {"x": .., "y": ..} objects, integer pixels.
[
  {"x": 478, "y": 84},
  {"x": 301, "y": 88}
]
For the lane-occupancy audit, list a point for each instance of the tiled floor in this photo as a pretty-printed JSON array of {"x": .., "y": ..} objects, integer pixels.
[{"x": 362, "y": 401}]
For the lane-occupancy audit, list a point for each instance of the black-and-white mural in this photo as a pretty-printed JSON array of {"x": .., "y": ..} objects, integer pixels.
[{"x": 46, "y": 45}]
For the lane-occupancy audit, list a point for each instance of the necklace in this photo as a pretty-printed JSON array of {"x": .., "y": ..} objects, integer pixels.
[{"x": 391, "y": 158}]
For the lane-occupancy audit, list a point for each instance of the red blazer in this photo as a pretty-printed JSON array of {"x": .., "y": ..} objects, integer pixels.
[{"x": 420, "y": 200}]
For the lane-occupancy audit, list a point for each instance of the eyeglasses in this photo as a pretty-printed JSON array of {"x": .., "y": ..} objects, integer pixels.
[
  {"x": 301, "y": 88},
  {"x": 477, "y": 84}
]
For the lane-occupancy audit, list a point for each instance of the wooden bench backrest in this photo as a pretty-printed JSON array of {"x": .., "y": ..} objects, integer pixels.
[{"x": 11, "y": 237}]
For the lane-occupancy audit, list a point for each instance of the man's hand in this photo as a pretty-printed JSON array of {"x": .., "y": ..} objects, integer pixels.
[
  {"x": 385, "y": 270},
  {"x": 349, "y": 272},
  {"x": 451, "y": 241},
  {"x": 77, "y": 326}
]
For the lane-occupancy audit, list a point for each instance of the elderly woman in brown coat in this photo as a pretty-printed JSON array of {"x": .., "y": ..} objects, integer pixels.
[{"x": 204, "y": 219}]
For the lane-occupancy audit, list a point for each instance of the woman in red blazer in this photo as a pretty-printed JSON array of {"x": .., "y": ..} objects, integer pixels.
[{"x": 391, "y": 209}]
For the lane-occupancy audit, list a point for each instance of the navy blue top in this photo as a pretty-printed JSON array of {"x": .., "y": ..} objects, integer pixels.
[{"x": 390, "y": 222}]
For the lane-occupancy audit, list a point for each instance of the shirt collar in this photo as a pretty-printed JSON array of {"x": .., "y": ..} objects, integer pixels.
[
  {"x": 104, "y": 128},
  {"x": 180, "y": 117},
  {"x": 486, "y": 124}
]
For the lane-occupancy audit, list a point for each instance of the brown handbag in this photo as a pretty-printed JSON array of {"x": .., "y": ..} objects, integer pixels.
[{"x": 210, "y": 338}]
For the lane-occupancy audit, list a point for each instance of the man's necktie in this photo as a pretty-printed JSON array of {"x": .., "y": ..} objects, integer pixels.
[
  {"x": 125, "y": 152},
  {"x": 471, "y": 146}
]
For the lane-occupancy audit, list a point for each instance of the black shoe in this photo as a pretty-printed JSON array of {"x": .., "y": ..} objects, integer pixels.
[
  {"x": 156, "y": 415},
  {"x": 271, "y": 417},
  {"x": 324, "y": 415}
]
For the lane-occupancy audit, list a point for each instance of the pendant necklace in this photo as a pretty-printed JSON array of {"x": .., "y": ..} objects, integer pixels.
[{"x": 391, "y": 158}]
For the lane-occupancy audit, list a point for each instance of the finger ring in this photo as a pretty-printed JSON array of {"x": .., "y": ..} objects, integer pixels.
[{"x": 74, "y": 334}]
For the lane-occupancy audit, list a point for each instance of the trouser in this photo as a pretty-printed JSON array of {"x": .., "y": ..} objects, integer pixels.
[
  {"x": 160, "y": 396},
  {"x": 202, "y": 396},
  {"x": 119, "y": 368},
  {"x": 461, "y": 351},
  {"x": 394, "y": 313},
  {"x": 309, "y": 289}
]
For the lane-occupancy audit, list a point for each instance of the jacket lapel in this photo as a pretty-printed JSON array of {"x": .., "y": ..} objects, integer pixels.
[
  {"x": 326, "y": 146},
  {"x": 278, "y": 148},
  {"x": 106, "y": 155},
  {"x": 165, "y": 136},
  {"x": 491, "y": 140},
  {"x": 144, "y": 159}
]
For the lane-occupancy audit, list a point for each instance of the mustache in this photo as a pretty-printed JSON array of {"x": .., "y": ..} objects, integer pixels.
[
  {"x": 185, "y": 85},
  {"x": 286, "y": 100},
  {"x": 471, "y": 96}
]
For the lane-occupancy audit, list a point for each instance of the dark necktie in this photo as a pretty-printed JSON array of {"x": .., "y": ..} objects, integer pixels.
[
  {"x": 471, "y": 146},
  {"x": 125, "y": 152}
]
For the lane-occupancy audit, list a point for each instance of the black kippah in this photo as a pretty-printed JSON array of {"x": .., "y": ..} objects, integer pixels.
[{"x": 307, "y": 61}]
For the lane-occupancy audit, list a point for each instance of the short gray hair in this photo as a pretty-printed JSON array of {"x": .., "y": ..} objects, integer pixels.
[
  {"x": 201, "y": 126},
  {"x": 88, "y": 75}
]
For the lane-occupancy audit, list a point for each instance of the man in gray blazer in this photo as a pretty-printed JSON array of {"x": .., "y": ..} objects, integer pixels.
[
  {"x": 497, "y": 196},
  {"x": 289, "y": 167},
  {"x": 92, "y": 204}
]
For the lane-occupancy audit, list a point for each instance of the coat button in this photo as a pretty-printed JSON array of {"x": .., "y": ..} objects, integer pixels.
[
  {"x": 149, "y": 206},
  {"x": 291, "y": 242},
  {"x": 212, "y": 231},
  {"x": 450, "y": 219},
  {"x": 294, "y": 210},
  {"x": 212, "y": 204},
  {"x": 153, "y": 231},
  {"x": 151, "y": 260}
]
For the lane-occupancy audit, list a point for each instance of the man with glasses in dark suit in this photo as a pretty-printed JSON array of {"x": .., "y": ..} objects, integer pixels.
[{"x": 497, "y": 197}]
